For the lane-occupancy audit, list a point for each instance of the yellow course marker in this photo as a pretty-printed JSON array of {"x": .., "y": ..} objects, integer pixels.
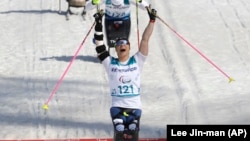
[
  {"x": 45, "y": 106},
  {"x": 231, "y": 80}
]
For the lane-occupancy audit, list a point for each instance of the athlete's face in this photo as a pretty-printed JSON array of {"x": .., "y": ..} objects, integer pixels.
[{"x": 122, "y": 48}]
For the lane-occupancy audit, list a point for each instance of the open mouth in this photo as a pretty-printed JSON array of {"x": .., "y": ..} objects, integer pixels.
[{"x": 122, "y": 50}]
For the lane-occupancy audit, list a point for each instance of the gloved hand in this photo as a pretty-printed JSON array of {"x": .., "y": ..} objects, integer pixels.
[
  {"x": 98, "y": 17},
  {"x": 139, "y": 1},
  {"x": 152, "y": 13},
  {"x": 95, "y": 2}
]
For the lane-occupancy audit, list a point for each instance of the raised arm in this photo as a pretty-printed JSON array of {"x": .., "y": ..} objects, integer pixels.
[
  {"x": 100, "y": 46},
  {"x": 148, "y": 31}
]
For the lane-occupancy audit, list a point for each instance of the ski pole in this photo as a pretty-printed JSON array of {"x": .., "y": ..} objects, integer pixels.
[
  {"x": 45, "y": 106},
  {"x": 192, "y": 46},
  {"x": 137, "y": 22},
  {"x": 59, "y": 6}
]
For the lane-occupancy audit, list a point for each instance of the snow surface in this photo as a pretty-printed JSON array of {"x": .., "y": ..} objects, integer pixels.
[{"x": 178, "y": 85}]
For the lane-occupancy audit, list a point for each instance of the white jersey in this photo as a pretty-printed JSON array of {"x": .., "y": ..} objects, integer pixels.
[
  {"x": 124, "y": 80},
  {"x": 115, "y": 11}
]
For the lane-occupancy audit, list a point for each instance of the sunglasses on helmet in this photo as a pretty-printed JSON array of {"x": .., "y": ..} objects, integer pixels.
[{"x": 121, "y": 42}]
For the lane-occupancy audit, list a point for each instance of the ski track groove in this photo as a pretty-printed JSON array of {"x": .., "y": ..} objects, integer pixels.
[
  {"x": 245, "y": 4},
  {"x": 236, "y": 33},
  {"x": 170, "y": 64},
  {"x": 41, "y": 130},
  {"x": 170, "y": 61}
]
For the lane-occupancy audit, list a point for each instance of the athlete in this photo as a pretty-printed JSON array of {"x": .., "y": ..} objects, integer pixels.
[
  {"x": 77, "y": 4},
  {"x": 117, "y": 17},
  {"x": 124, "y": 77}
]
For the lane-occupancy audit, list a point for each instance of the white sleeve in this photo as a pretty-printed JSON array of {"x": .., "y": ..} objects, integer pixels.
[
  {"x": 140, "y": 58},
  {"x": 142, "y": 5},
  {"x": 106, "y": 63}
]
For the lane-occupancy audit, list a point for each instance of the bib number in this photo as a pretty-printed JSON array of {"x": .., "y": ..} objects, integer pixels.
[{"x": 126, "y": 89}]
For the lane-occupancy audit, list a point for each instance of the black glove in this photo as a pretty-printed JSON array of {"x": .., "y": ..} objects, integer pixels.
[
  {"x": 152, "y": 13},
  {"x": 98, "y": 17}
]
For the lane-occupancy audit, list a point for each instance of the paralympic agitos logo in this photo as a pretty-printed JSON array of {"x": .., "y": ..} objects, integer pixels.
[{"x": 124, "y": 79}]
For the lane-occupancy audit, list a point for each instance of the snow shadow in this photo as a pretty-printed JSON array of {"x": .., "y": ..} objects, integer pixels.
[
  {"x": 48, "y": 11},
  {"x": 87, "y": 58},
  {"x": 22, "y": 99}
]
